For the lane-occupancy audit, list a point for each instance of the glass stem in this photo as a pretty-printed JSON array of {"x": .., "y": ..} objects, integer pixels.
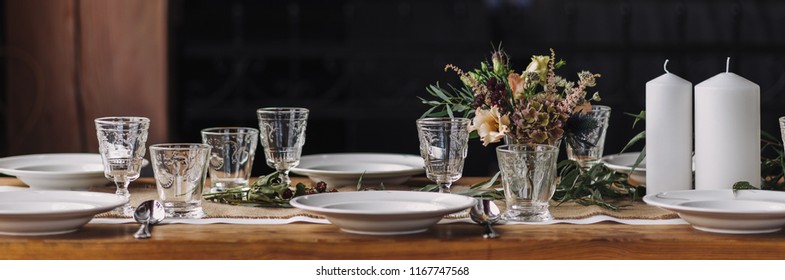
[
  {"x": 444, "y": 187},
  {"x": 284, "y": 176},
  {"x": 122, "y": 188}
]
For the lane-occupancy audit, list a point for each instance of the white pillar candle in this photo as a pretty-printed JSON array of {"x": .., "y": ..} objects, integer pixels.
[
  {"x": 727, "y": 132},
  {"x": 668, "y": 133}
]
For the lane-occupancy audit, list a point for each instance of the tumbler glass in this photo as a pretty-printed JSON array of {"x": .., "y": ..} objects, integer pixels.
[
  {"x": 231, "y": 155},
  {"x": 528, "y": 174},
  {"x": 180, "y": 171}
]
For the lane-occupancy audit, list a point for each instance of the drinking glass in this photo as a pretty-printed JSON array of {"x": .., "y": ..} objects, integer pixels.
[
  {"x": 528, "y": 174},
  {"x": 443, "y": 147},
  {"x": 180, "y": 171},
  {"x": 231, "y": 155},
  {"x": 585, "y": 144},
  {"x": 121, "y": 143},
  {"x": 282, "y": 133},
  {"x": 782, "y": 128}
]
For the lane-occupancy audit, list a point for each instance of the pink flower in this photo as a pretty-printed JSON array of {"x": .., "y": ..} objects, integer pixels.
[
  {"x": 517, "y": 85},
  {"x": 490, "y": 125}
]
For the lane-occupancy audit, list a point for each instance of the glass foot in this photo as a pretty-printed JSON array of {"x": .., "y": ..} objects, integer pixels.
[
  {"x": 526, "y": 216},
  {"x": 182, "y": 210},
  {"x": 189, "y": 214},
  {"x": 126, "y": 210}
]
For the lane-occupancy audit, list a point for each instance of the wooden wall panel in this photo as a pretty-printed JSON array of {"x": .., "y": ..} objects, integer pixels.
[
  {"x": 71, "y": 61},
  {"x": 42, "y": 110},
  {"x": 123, "y": 62}
]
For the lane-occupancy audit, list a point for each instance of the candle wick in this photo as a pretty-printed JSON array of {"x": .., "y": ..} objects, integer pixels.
[
  {"x": 727, "y": 65},
  {"x": 665, "y": 66}
]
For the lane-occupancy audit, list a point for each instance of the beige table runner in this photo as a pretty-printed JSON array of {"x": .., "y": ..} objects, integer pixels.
[{"x": 568, "y": 211}]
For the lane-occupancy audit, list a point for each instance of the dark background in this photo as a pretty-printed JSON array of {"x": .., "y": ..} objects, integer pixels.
[{"x": 360, "y": 65}]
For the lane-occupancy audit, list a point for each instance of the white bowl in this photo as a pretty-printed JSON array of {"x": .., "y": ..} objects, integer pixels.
[
  {"x": 51, "y": 212},
  {"x": 76, "y": 172},
  {"x": 345, "y": 169},
  {"x": 383, "y": 212},
  {"x": 726, "y": 211},
  {"x": 623, "y": 163}
]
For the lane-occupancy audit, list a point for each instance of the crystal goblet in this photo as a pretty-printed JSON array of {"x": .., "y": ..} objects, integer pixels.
[
  {"x": 282, "y": 134},
  {"x": 121, "y": 143},
  {"x": 443, "y": 147}
]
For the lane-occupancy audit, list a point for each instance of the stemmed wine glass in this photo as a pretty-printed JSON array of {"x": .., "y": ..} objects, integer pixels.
[
  {"x": 443, "y": 147},
  {"x": 121, "y": 142},
  {"x": 586, "y": 146},
  {"x": 282, "y": 133}
]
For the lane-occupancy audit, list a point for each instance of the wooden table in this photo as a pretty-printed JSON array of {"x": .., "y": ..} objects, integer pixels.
[{"x": 448, "y": 241}]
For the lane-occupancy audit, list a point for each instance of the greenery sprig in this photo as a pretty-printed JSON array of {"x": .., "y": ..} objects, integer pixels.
[
  {"x": 637, "y": 138},
  {"x": 267, "y": 191},
  {"x": 488, "y": 189},
  {"x": 599, "y": 185},
  {"x": 772, "y": 167}
]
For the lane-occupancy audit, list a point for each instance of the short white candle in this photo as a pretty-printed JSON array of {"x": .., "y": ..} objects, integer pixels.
[
  {"x": 668, "y": 133},
  {"x": 727, "y": 132}
]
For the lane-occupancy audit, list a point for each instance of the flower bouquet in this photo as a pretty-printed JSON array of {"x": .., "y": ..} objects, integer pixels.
[{"x": 532, "y": 106}]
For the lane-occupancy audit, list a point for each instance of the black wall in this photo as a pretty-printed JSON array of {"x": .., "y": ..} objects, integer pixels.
[{"x": 360, "y": 65}]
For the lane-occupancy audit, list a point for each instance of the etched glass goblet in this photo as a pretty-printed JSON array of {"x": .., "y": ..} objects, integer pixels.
[
  {"x": 121, "y": 143},
  {"x": 282, "y": 134},
  {"x": 443, "y": 147},
  {"x": 586, "y": 140}
]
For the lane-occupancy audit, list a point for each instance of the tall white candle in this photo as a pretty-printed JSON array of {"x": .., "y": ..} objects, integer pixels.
[
  {"x": 668, "y": 133},
  {"x": 727, "y": 132}
]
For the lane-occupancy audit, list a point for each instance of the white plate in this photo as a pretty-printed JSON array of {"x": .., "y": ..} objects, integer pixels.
[
  {"x": 51, "y": 212},
  {"x": 56, "y": 171},
  {"x": 383, "y": 212},
  {"x": 345, "y": 169},
  {"x": 746, "y": 212},
  {"x": 623, "y": 163},
  {"x": 12, "y": 188}
]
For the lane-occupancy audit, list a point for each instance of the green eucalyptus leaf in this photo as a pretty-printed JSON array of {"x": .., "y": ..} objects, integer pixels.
[
  {"x": 638, "y": 117},
  {"x": 639, "y": 160},
  {"x": 428, "y": 112},
  {"x": 634, "y": 140}
]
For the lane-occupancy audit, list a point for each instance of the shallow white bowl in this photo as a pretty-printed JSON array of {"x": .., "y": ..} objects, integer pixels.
[
  {"x": 76, "y": 172},
  {"x": 345, "y": 169},
  {"x": 722, "y": 211},
  {"x": 383, "y": 212},
  {"x": 51, "y": 212},
  {"x": 623, "y": 163}
]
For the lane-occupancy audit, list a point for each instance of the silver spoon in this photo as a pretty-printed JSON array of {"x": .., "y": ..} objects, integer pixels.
[
  {"x": 486, "y": 213},
  {"x": 148, "y": 213}
]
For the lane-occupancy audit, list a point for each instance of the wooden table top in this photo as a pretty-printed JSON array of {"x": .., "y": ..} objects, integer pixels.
[{"x": 448, "y": 241}]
